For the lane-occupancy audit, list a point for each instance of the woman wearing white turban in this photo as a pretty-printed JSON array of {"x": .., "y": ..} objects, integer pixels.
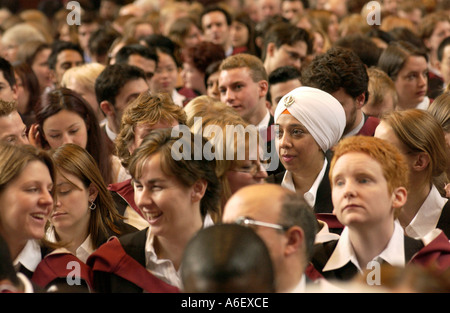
[{"x": 310, "y": 122}]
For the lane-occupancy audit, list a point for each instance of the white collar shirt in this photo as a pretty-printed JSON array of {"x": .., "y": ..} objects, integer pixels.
[
  {"x": 85, "y": 249},
  {"x": 428, "y": 215},
  {"x": 356, "y": 130},
  {"x": 164, "y": 268},
  {"x": 30, "y": 256},
  {"x": 310, "y": 195},
  {"x": 343, "y": 253},
  {"x": 177, "y": 98}
]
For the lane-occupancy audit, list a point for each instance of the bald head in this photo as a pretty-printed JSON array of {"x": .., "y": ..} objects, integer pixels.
[
  {"x": 255, "y": 201},
  {"x": 285, "y": 222}
]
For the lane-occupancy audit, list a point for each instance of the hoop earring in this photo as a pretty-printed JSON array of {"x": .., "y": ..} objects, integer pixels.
[{"x": 92, "y": 206}]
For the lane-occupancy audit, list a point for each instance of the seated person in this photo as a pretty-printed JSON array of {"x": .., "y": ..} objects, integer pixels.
[
  {"x": 227, "y": 258},
  {"x": 369, "y": 179},
  {"x": 175, "y": 192}
]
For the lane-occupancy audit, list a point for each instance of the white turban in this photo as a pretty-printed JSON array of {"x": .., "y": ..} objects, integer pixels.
[{"x": 321, "y": 114}]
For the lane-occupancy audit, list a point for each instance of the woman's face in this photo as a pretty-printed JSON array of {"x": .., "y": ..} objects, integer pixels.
[
  {"x": 26, "y": 203},
  {"x": 194, "y": 37},
  {"x": 65, "y": 127},
  {"x": 360, "y": 192},
  {"x": 192, "y": 77},
  {"x": 297, "y": 149},
  {"x": 411, "y": 82},
  {"x": 166, "y": 74},
  {"x": 71, "y": 212},
  {"x": 239, "y": 34},
  {"x": 246, "y": 172},
  {"x": 23, "y": 96},
  {"x": 166, "y": 203},
  {"x": 41, "y": 69},
  {"x": 212, "y": 86}
]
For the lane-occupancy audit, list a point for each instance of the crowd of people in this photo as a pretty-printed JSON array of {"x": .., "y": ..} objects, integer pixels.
[{"x": 265, "y": 146}]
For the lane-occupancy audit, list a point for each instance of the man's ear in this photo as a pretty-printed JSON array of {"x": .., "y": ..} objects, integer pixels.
[
  {"x": 360, "y": 100},
  {"x": 295, "y": 240},
  {"x": 271, "y": 48},
  {"x": 107, "y": 108},
  {"x": 263, "y": 88},
  {"x": 198, "y": 190}
]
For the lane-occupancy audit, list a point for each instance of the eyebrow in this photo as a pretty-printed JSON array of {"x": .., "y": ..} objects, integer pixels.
[{"x": 74, "y": 124}]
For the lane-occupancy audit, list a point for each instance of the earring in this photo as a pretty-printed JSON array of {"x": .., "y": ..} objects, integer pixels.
[{"x": 92, "y": 206}]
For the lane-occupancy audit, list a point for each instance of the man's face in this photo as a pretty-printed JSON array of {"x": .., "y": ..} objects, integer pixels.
[
  {"x": 130, "y": 91},
  {"x": 12, "y": 129},
  {"x": 269, "y": 8},
  {"x": 65, "y": 60},
  {"x": 287, "y": 55},
  {"x": 84, "y": 33},
  {"x": 445, "y": 65},
  {"x": 215, "y": 28},
  {"x": 290, "y": 9},
  {"x": 238, "y": 90},
  {"x": 147, "y": 65},
  {"x": 277, "y": 91},
  {"x": 350, "y": 106},
  {"x": 7, "y": 93}
]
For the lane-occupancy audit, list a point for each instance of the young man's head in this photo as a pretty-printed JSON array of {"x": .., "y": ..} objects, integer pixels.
[
  {"x": 141, "y": 56},
  {"x": 243, "y": 85},
  {"x": 115, "y": 88},
  {"x": 341, "y": 73},
  {"x": 443, "y": 55},
  {"x": 216, "y": 26},
  {"x": 281, "y": 81},
  {"x": 12, "y": 128},
  {"x": 285, "y": 44},
  {"x": 64, "y": 55},
  {"x": 369, "y": 178},
  {"x": 8, "y": 88}
]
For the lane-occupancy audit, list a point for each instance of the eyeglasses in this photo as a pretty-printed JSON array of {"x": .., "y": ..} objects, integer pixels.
[
  {"x": 252, "y": 169},
  {"x": 247, "y": 221}
]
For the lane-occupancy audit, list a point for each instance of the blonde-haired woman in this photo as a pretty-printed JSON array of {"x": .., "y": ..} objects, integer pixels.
[
  {"x": 81, "y": 79},
  {"x": 236, "y": 145}
]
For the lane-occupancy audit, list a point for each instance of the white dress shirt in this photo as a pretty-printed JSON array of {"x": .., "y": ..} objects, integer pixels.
[
  {"x": 428, "y": 215},
  {"x": 311, "y": 194},
  {"x": 29, "y": 257},
  {"x": 394, "y": 253}
]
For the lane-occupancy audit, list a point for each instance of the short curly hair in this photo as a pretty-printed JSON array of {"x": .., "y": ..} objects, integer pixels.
[{"x": 335, "y": 69}]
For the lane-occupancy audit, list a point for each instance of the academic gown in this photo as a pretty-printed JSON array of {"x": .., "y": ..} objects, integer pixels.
[
  {"x": 436, "y": 253},
  {"x": 119, "y": 266}
]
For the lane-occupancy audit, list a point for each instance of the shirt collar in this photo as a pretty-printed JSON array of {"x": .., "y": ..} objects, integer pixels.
[
  {"x": 424, "y": 104},
  {"x": 111, "y": 135},
  {"x": 428, "y": 215},
  {"x": 178, "y": 98},
  {"x": 164, "y": 268},
  {"x": 344, "y": 253},
  {"x": 301, "y": 286},
  {"x": 356, "y": 130},
  {"x": 85, "y": 249},
  {"x": 262, "y": 126},
  {"x": 30, "y": 256},
  {"x": 310, "y": 195}
]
